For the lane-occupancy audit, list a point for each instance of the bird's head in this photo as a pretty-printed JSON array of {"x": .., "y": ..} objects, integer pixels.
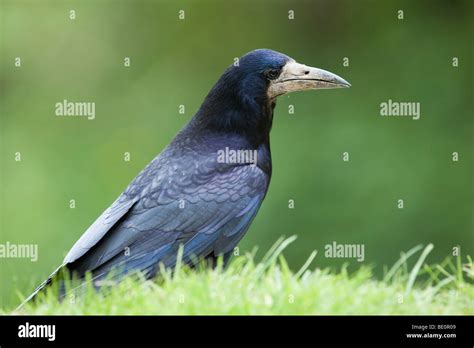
[
  {"x": 244, "y": 97},
  {"x": 278, "y": 74}
]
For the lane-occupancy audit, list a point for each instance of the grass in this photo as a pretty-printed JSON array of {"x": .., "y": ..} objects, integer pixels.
[{"x": 270, "y": 287}]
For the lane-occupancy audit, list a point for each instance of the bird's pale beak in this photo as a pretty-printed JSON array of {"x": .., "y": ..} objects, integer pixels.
[{"x": 299, "y": 77}]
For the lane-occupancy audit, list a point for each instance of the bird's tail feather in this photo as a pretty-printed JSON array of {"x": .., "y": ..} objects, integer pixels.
[{"x": 40, "y": 288}]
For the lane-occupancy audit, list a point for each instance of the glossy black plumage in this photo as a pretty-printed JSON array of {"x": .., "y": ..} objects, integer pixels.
[{"x": 148, "y": 222}]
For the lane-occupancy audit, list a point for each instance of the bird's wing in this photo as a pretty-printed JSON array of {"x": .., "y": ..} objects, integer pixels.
[
  {"x": 207, "y": 212},
  {"x": 99, "y": 228}
]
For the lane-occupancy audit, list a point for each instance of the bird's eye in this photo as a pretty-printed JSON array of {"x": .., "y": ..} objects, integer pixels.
[{"x": 272, "y": 74}]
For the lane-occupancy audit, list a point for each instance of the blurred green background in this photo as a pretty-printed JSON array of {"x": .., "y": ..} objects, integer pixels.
[{"x": 176, "y": 62}]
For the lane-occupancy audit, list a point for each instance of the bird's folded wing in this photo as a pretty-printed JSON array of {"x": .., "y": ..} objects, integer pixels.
[
  {"x": 206, "y": 214},
  {"x": 99, "y": 228}
]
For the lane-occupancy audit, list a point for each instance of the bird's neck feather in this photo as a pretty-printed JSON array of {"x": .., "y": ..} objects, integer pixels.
[{"x": 238, "y": 106}]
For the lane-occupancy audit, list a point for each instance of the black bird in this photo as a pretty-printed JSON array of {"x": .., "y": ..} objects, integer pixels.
[{"x": 186, "y": 195}]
